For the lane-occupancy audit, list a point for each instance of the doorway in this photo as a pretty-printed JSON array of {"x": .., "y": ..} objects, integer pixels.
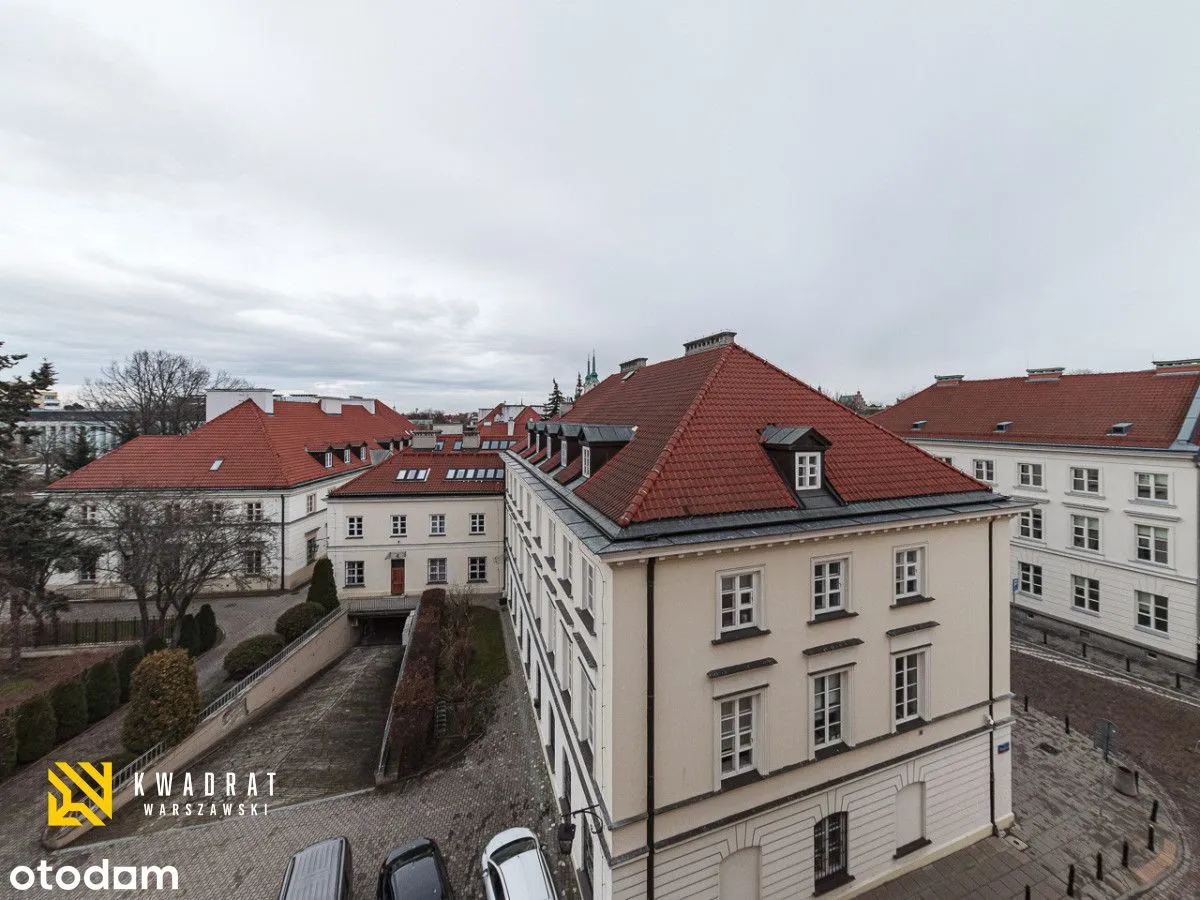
[{"x": 397, "y": 577}]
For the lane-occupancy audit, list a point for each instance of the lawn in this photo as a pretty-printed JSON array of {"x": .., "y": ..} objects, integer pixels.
[{"x": 490, "y": 664}]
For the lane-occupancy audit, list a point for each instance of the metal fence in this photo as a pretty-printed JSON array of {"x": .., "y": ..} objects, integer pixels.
[{"x": 74, "y": 632}]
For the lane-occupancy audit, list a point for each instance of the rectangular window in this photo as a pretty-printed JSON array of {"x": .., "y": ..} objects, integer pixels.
[
  {"x": 254, "y": 511},
  {"x": 355, "y": 575},
  {"x": 829, "y": 585},
  {"x": 737, "y": 735},
  {"x": 589, "y": 587},
  {"x": 354, "y": 526},
  {"x": 1030, "y": 524},
  {"x": 476, "y": 568},
  {"x": 537, "y": 523},
  {"x": 437, "y": 523},
  {"x": 564, "y": 651},
  {"x": 310, "y": 551},
  {"x": 906, "y": 686},
  {"x": 90, "y": 513},
  {"x": 1029, "y": 474},
  {"x": 568, "y": 558},
  {"x": 437, "y": 570},
  {"x": 399, "y": 526},
  {"x": 985, "y": 470},
  {"x": 346, "y": 454},
  {"x": 827, "y": 709},
  {"x": 310, "y": 504},
  {"x": 1085, "y": 593},
  {"x": 1085, "y": 480},
  {"x": 253, "y": 560},
  {"x": 587, "y": 708},
  {"x": 1151, "y": 611},
  {"x": 551, "y": 537},
  {"x": 329, "y": 459},
  {"x": 738, "y": 601},
  {"x": 1153, "y": 544},
  {"x": 478, "y": 521},
  {"x": 910, "y": 577},
  {"x": 586, "y": 461},
  {"x": 948, "y": 460},
  {"x": 1030, "y": 579},
  {"x": 808, "y": 471},
  {"x": 831, "y": 845},
  {"x": 87, "y": 569},
  {"x": 1152, "y": 486},
  {"x": 562, "y": 454},
  {"x": 1085, "y": 532}
]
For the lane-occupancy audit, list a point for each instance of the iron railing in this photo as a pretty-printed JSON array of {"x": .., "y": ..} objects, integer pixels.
[{"x": 73, "y": 632}]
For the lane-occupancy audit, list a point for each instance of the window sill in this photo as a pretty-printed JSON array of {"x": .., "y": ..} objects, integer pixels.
[
  {"x": 1094, "y": 613},
  {"x": 442, "y": 534},
  {"x": 566, "y": 586},
  {"x": 910, "y": 601},
  {"x": 476, "y": 581},
  {"x": 831, "y": 616},
  {"x": 1155, "y": 504},
  {"x": 354, "y": 537},
  {"x": 831, "y": 750},
  {"x": 1149, "y": 564},
  {"x": 1153, "y": 632},
  {"x": 1085, "y": 495},
  {"x": 588, "y": 622},
  {"x": 1029, "y": 487},
  {"x": 831, "y": 883},
  {"x": 741, "y": 780},
  {"x": 351, "y": 587},
  {"x": 909, "y": 725},
  {"x": 478, "y": 534},
  {"x": 1029, "y": 596},
  {"x": 550, "y": 563},
  {"x": 911, "y": 847},
  {"x": 397, "y": 537},
  {"x": 443, "y": 581},
  {"x": 740, "y": 634}
]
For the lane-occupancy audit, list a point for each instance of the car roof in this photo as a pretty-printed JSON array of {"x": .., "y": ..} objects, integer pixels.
[
  {"x": 316, "y": 871},
  {"x": 507, "y": 837},
  {"x": 418, "y": 878},
  {"x": 524, "y": 874}
]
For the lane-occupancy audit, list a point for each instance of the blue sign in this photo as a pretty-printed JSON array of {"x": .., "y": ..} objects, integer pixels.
[
  {"x": 1002, "y": 748},
  {"x": 1016, "y": 584}
]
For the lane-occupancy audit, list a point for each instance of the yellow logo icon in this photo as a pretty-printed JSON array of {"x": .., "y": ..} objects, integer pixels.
[{"x": 93, "y": 785}]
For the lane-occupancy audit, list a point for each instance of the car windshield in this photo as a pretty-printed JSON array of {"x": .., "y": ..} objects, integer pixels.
[
  {"x": 418, "y": 878},
  {"x": 516, "y": 848}
]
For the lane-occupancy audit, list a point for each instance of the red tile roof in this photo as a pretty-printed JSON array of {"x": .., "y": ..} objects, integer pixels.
[
  {"x": 697, "y": 452},
  {"x": 259, "y": 450},
  {"x": 489, "y": 428},
  {"x": 381, "y": 480},
  {"x": 1073, "y": 409}
]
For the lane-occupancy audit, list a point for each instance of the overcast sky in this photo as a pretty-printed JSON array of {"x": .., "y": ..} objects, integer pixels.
[{"x": 453, "y": 203}]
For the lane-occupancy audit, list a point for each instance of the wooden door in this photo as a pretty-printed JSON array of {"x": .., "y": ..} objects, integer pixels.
[{"x": 397, "y": 576}]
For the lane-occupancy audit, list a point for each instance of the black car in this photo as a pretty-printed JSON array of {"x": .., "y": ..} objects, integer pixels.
[{"x": 415, "y": 871}]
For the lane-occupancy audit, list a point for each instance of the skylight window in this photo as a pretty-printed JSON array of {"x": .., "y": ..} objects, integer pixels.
[
  {"x": 919, "y": 424},
  {"x": 1003, "y": 426},
  {"x": 1121, "y": 429},
  {"x": 412, "y": 475},
  {"x": 216, "y": 465}
]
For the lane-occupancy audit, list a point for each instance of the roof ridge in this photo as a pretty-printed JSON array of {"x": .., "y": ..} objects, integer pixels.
[{"x": 664, "y": 455}]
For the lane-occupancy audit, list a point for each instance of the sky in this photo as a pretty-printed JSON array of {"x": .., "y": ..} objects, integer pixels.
[{"x": 451, "y": 204}]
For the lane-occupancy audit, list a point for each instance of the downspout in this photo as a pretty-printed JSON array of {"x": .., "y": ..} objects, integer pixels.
[
  {"x": 283, "y": 542},
  {"x": 991, "y": 680},
  {"x": 1198, "y": 563},
  {"x": 650, "y": 728}
]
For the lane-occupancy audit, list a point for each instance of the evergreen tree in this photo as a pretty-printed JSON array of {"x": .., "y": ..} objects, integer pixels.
[
  {"x": 555, "y": 403},
  {"x": 323, "y": 589},
  {"x": 70, "y": 709},
  {"x": 103, "y": 690},
  {"x": 76, "y": 455},
  {"x": 189, "y": 636},
  {"x": 206, "y": 622},
  {"x": 126, "y": 663},
  {"x": 36, "y": 728},
  {"x": 8, "y": 744},
  {"x": 164, "y": 702},
  {"x": 578, "y": 385}
]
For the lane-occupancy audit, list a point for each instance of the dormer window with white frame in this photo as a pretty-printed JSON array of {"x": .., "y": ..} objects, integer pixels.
[
  {"x": 586, "y": 461},
  {"x": 362, "y": 453},
  {"x": 329, "y": 459},
  {"x": 562, "y": 453},
  {"x": 808, "y": 471},
  {"x": 346, "y": 455}
]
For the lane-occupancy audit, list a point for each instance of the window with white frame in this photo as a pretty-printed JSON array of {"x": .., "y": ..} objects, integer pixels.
[
  {"x": 738, "y": 734},
  {"x": 310, "y": 550},
  {"x": 808, "y": 471},
  {"x": 476, "y": 568},
  {"x": 551, "y": 536},
  {"x": 1029, "y": 475},
  {"x": 537, "y": 522},
  {"x": 985, "y": 469},
  {"x": 90, "y": 513},
  {"x": 1151, "y": 611},
  {"x": 1085, "y": 532},
  {"x": 437, "y": 570},
  {"x": 948, "y": 460},
  {"x": 909, "y": 572},
  {"x": 562, "y": 453},
  {"x": 310, "y": 504},
  {"x": 1085, "y": 593},
  {"x": 362, "y": 452},
  {"x": 1153, "y": 544},
  {"x": 908, "y": 676},
  {"x": 354, "y": 526},
  {"x": 827, "y": 708},
  {"x": 1152, "y": 486},
  {"x": 346, "y": 454},
  {"x": 478, "y": 523},
  {"x": 1029, "y": 524},
  {"x": 589, "y": 587},
  {"x": 568, "y": 558},
  {"x": 738, "y": 601},
  {"x": 254, "y": 511},
  {"x": 1030, "y": 578},
  {"x": 587, "y": 708},
  {"x": 564, "y": 652},
  {"x": 1085, "y": 480},
  {"x": 437, "y": 524},
  {"x": 329, "y": 459},
  {"x": 586, "y": 461},
  {"x": 830, "y": 585},
  {"x": 355, "y": 575},
  {"x": 399, "y": 526},
  {"x": 253, "y": 561}
]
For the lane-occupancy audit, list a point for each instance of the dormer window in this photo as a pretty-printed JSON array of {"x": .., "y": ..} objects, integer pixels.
[
  {"x": 562, "y": 453},
  {"x": 808, "y": 471},
  {"x": 1120, "y": 429},
  {"x": 586, "y": 461},
  {"x": 1003, "y": 426},
  {"x": 346, "y": 455},
  {"x": 362, "y": 453},
  {"x": 329, "y": 459},
  {"x": 919, "y": 424}
]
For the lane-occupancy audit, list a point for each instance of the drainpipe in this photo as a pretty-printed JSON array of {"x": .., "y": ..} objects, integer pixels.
[
  {"x": 650, "y": 728},
  {"x": 283, "y": 542},
  {"x": 991, "y": 680},
  {"x": 1198, "y": 564}
]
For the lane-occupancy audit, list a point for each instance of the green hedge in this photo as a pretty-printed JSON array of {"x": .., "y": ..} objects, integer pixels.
[
  {"x": 126, "y": 663},
  {"x": 8, "y": 744},
  {"x": 164, "y": 702},
  {"x": 323, "y": 588},
  {"x": 153, "y": 644},
  {"x": 36, "y": 728},
  {"x": 206, "y": 622},
  {"x": 103, "y": 690},
  {"x": 296, "y": 620},
  {"x": 251, "y": 653},
  {"x": 70, "y": 709}
]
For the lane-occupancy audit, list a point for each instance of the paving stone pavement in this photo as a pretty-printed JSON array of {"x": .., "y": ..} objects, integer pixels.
[
  {"x": 498, "y": 782},
  {"x": 1067, "y": 810}
]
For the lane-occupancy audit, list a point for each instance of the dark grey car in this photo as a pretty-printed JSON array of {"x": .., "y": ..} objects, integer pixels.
[{"x": 414, "y": 871}]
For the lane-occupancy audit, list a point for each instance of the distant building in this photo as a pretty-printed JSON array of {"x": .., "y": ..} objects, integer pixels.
[
  {"x": 52, "y": 428},
  {"x": 858, "y": 403}
]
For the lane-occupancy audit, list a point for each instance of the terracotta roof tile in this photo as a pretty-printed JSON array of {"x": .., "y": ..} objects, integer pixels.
[{"x": 381, "y": 480}]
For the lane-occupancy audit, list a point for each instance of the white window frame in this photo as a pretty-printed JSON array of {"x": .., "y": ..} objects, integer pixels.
[
  {"x": 1030, "y": 579},
  {"x": 354, "y": 526},
  {"x": 562, "y": 453},
  {"x": 359, "y": 569},
  {"x": 1152, "y": 486},
  {"x": 91, "y": 513},
  {"x": 429, "y": 570},
  {"x": 988, "y": 469},
  {"x": 821, "y": 591},
  {"x": 913, "y": 693},
  {"x": 1031, "y": 524},
  {"x": 568, "y": 558},
  {"x": 1083, "y": 582},
  {"x": 1151, "y": 544},
  {"x": 254, "y": 511},
  {"x": 329, "y": 459},
  {"x": 564, "y": 673},
  {"x": 900, "y": 579},
  {"x": 808, "y": 471},
  {"x": 399, "y": 525},
  {"x": 346, "y": 454},
  {"x": 818, "y": 686},
  {"x": 589, "y": 587},
  {"x": 1082, "y": 475},
  {"x": 741, "y": 741},
  {"x": 551, "y": 537},
  {"x": 310, "y": 504},
  {"x": 587, "y": 709},
  {"x": 1146, "y": 604},
  {"x": 478, "y": 523},
  {"x": 1079, "y": 522},
  {"x": 437, "y": 524},
  {"x": 736, "y": 590},
  {"x": 477, "y": 568},
  {"x": 585, "y": 456},
  {"x": 1031, "y": 475}
]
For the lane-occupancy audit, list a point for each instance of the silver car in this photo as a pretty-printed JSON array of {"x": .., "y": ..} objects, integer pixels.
[{"x": 514, "y": 868}]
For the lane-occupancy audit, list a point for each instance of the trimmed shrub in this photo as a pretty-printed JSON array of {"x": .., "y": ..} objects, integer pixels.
[
  {"x": 298, "y": 619},
  {"x": 189, "y": 636},
  {"x": 412, "y": 720},
  {"x": 153, "y": 644},
  {"x": 164, "y": 702},
  {"x": 206, "y": 622},
  {"x": 103, "y": 690},
  {"x": 126, "y": 663},
  {"x": 36, "y": 728},
  {"x": 323, "y": 589},
  {"x": 251, "y": 653},
  {"x": 70, "y": 709},
  {"x": 8, "y": 745}
]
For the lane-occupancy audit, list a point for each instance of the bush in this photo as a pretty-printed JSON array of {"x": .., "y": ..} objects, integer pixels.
[
  {"x": 412, "y": 720},
  {"x": 70, "y": 709},
  {"x": 103, "y": 690},
  {"x": 164, "y": 702},
  {"x": 8, "y": 745},
  {"x": 153, "y": 644},
  {"x": 251, "y": 653},
  {"x": 189, "y": 636},
  {"x": 298, "y": 619},
  {"x": 36, "y": 728},
  {"x": 206, "y": 622},
  {"x": 425, "y": 642},
  {"x": 323, "y": 589},
  {"x": 126, "y": 663}
]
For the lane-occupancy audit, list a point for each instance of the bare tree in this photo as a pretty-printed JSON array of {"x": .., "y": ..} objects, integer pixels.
[
  {"x": 169, "y": 546},
  {"x": 154, "y": 392}
]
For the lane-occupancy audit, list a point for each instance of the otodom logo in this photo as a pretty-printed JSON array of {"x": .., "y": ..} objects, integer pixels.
[{"x": 80, "y": 790}]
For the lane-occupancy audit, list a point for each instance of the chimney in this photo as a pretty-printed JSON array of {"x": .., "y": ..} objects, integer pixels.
[
  {"x": 424, "y": 439},
  {"x": 220, "y": 400},
  {"x": 470, "y": 438},
  {"x": 948, "y": 380},
  {"x": 1052, "y": 373},
  {"x": 720, "y": 339},
  {"x": 1176, "y": 366},
  {"x": 331, "y": 406},
  {"x": 632, "y": 365}
]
